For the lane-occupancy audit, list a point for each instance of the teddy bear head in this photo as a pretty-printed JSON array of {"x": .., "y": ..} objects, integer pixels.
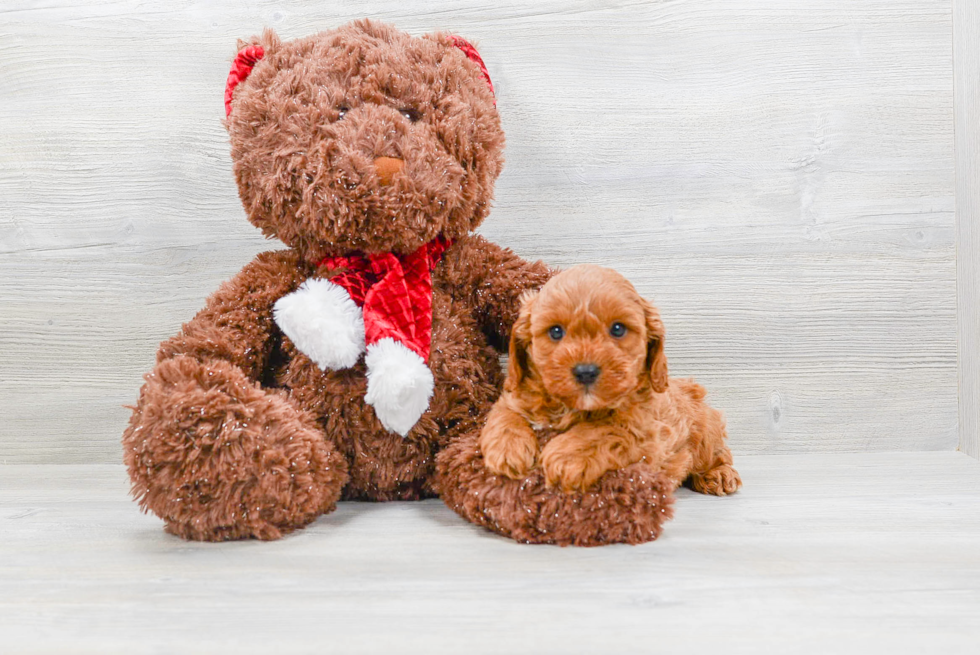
[{"x": 363, "y": 138}]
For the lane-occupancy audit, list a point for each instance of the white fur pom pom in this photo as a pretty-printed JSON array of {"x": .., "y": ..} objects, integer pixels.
[
  {"x": 323, "y": 322},
  {"x": 399, "y": 385}
]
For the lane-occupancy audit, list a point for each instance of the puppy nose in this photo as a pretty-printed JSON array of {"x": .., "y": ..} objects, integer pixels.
[
  {"x": 586, "y": 373},
  {"x": 387, "y": 167}
]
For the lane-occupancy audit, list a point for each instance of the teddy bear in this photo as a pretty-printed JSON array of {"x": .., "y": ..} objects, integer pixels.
[{"x": 340, "y": 366}]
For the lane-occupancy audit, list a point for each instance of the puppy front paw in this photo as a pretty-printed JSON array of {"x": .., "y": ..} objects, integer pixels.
[
  {"x": 719, "y": 481},
  {"x": 576, "y": 459},
  {"x": 570, "y": 469},
  {"x": 508, "y": 451}
]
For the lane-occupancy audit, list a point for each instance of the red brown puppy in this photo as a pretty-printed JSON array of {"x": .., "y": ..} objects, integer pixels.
[{"x": 587, "y": 360}]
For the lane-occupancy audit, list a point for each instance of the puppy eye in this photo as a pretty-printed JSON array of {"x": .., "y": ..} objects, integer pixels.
[
  {"x": 410, "y": 114},
  {"x": 341, "y": 112},
  {"x": 617, "y": 330},
  {"x": 556, "y": 332}
]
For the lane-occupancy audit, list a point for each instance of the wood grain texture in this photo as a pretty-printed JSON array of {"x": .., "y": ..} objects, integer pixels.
[
  {"x": 777, "y": 177},
  {"x": 966, "y": 58},
  {"x": 821, "y": 553}
]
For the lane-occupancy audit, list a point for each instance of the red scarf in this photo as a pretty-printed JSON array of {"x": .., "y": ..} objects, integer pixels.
[{"x": 394, "y": 293}]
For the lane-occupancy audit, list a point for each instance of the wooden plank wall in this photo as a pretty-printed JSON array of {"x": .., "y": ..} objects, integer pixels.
[
  {"x": 778, "y": 176},
  {"x": 966, "y": 58}
]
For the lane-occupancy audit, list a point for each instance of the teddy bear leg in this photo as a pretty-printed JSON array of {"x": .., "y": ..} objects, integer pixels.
[
  {"x": 218, "y": 457},
  {"x": 628, "y": 505}
]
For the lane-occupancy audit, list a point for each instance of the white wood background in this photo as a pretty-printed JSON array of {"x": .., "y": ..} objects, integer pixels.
[
  {"x": 777, "y": 175},
  {"x": 966, "y": 46}
]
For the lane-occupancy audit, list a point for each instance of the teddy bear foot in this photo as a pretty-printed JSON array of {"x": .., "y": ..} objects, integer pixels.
[
  {"x": 628, "y": 505},
  {"x": 219, "y": 458}
]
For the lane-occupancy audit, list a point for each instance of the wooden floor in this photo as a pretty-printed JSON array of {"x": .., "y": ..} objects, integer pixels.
[{"x": 819, "y": 553}]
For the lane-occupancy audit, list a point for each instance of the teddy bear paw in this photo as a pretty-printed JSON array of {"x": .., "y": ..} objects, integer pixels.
[
  {"x": 399, "y": 385},
  {"x": 323, "y": 323}
]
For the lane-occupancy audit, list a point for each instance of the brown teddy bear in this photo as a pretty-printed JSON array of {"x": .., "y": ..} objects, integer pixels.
[{"x": 340, "y": 366}]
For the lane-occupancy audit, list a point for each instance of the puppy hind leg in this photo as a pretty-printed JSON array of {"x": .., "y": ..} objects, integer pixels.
[
  {"x": 719, "y": 481},
  {"x": 676, "y": 467},
  {"x": 667, "y": 451},
  {"x": 711, "y": 469}
]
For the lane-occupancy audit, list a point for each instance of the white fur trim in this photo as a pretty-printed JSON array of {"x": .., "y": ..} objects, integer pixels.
[
  {"x": 399, "y": 385},
  {"x": 323, "y": 322}
]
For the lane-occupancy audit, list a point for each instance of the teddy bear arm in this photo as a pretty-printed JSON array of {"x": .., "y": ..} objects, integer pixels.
[
  {"x": 495, "y": 278},
  {"x": 236, "y": 324}
]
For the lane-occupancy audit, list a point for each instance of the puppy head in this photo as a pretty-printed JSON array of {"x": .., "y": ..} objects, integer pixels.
[{"x": 588, "y": 339}]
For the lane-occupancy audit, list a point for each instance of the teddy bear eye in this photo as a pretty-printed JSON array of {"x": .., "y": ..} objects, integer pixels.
[
  {"x": 410, "y": 114},
  {"x": 556, "y": 332},
  {"x": 617, "y": 329},
  {"x": 341, "y": 112}
]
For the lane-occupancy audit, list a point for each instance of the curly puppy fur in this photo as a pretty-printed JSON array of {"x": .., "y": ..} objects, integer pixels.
[
  {"x": 587, "y": 361},
  {"x": 357, "y": 139},
  {"x": 587, "y": 461}
]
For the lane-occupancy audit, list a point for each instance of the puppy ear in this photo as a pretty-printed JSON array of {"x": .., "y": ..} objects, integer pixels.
[
  {"x": 519, "y": 365},
  {"x": 656, "y": 361}
]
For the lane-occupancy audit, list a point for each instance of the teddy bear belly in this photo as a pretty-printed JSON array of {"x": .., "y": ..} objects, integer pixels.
[{"x": 384, "y": 465}]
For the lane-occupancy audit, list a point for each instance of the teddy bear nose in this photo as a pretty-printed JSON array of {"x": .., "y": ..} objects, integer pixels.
[
  {"x": 387, "y": 167},
  {"x": 586, "y": 373}
]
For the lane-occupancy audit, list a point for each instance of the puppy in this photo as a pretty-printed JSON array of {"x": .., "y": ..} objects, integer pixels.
[{"x": 587, "y": 362}]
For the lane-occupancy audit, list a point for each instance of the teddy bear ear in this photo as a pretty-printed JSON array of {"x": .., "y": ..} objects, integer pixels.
[
  {"x": 473, "y": 55},
  {"x": 249, "y": 54},
  {"x": 469, "y": 50},
  {"x": 241, "y": 68}
]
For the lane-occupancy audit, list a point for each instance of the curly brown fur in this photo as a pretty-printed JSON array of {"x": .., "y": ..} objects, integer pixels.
[
  {"x": 238, "y": 434},
  {"x": 218, "y": 458},
  {"x": 309, "y": 123},
  {"x": 628, "y": 505},
  {"x": 587, "y": 360},
  {"x": 562, "y": 462}
]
